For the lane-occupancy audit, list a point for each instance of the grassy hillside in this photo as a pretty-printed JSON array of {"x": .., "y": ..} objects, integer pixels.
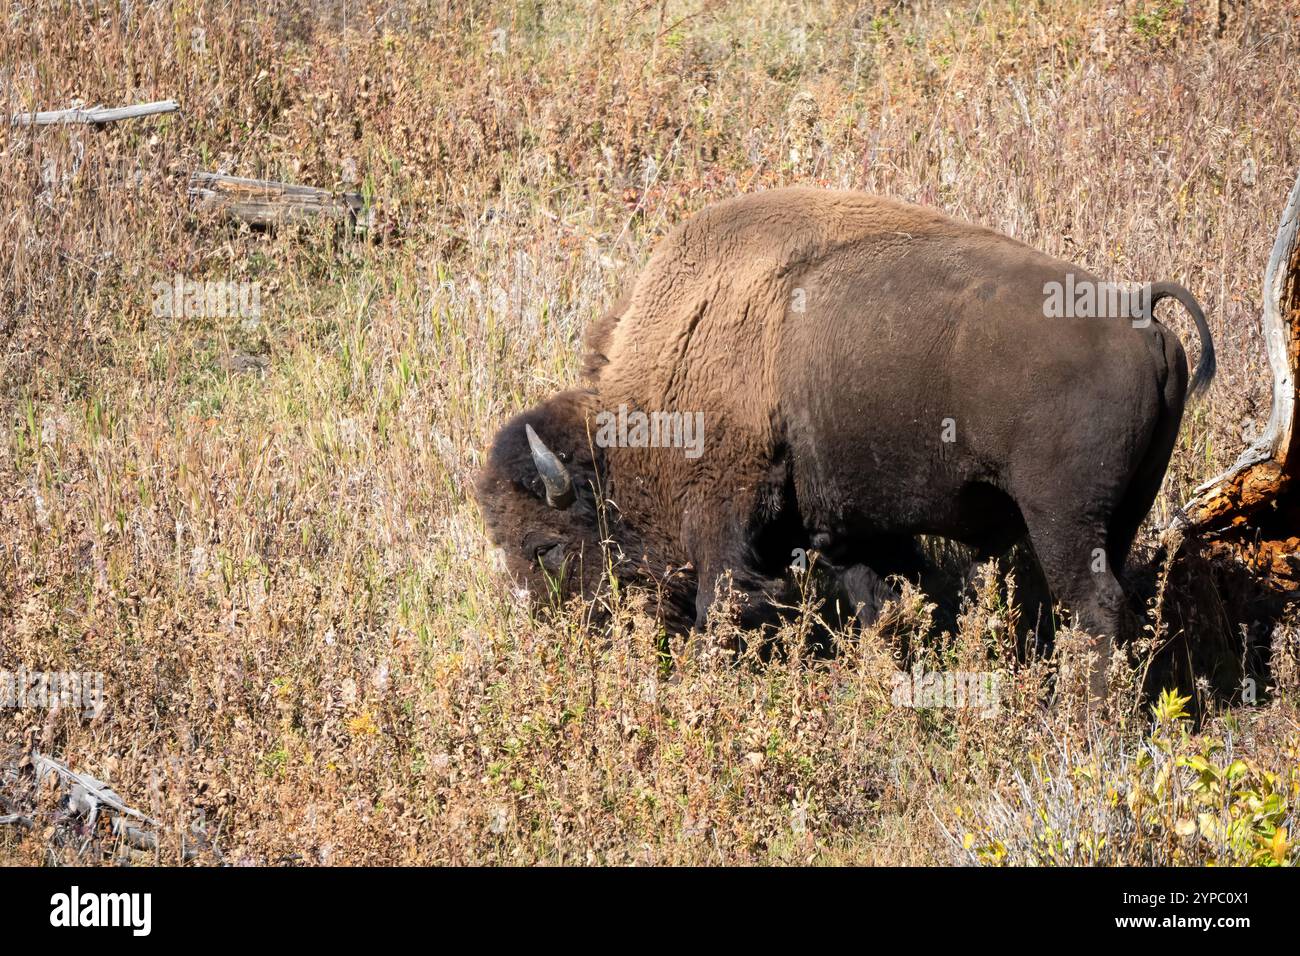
[{"x": 259, "y": 527}]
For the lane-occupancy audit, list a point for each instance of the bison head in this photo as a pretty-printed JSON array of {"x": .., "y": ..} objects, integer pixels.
[{"x": 539, "y": 497}]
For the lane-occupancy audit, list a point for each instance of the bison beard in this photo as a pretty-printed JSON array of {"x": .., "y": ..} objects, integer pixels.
[{"x": 868, "y": 371}]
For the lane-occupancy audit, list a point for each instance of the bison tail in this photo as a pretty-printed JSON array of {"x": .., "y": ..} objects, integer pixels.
[{"x": 1205, "y": 366}]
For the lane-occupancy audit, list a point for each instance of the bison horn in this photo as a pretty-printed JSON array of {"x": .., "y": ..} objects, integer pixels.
[{"x": 559, "y": 486}]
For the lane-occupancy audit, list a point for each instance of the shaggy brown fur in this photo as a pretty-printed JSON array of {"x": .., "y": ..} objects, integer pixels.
[{"x": 868, "y": 370}]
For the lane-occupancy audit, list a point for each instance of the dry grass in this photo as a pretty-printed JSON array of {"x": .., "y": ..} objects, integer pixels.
[{"x": 262, "y": 534}]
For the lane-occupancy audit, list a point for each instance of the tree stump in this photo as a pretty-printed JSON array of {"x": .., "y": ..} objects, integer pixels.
[{"x": 1253, "y": 508}]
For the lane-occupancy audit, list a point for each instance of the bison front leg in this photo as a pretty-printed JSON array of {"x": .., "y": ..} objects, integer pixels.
[
  {"x": 722, "y": 551},
  {"x": 757, "y": 599},
  {"x": 868, "y": 594}
]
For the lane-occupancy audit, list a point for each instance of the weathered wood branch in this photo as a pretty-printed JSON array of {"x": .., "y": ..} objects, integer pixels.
[
  {"x": 264, "y": 202},
  {"x": 88, "y": 795},
  {"x": 1269, "y": 466},
  {"x": 91, "y": 792},
  {"x": 94, "y": 115}
]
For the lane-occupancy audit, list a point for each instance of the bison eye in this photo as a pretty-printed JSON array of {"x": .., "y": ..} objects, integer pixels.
[{"x": 533, "y": 485}]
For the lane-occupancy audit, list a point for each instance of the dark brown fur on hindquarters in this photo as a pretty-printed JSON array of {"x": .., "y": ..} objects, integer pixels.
[{"x": 868, "y": 371}]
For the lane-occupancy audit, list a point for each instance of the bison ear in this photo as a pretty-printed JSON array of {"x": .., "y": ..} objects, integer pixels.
[{"x": 559, "y": 486}]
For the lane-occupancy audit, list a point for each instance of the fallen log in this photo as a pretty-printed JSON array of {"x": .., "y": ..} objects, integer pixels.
[
  {"x": 94, "y": 115},
  {"x": 267, "y": 203},
  {"x": 1265, "y": 473},
  {"x": 86, "y": 797},
  {"x": 88, "y": 794}
]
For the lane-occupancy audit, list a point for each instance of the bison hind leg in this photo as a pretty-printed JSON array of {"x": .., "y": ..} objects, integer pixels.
[
  {"x": 1076, "y": 562},
  {"x": 1142, "y": 490}
]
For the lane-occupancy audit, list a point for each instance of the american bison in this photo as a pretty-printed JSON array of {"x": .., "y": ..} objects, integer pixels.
[{"x": 865, "y": 371}]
